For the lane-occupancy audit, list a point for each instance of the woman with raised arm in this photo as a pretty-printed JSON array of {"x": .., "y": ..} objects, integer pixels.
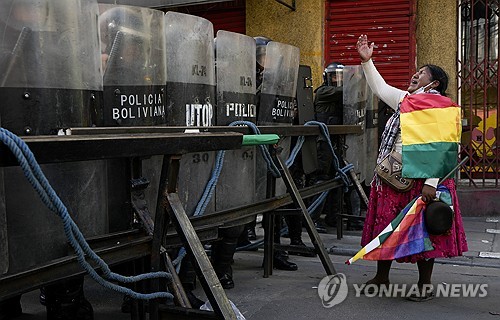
[{"x": 385, "y": 202}]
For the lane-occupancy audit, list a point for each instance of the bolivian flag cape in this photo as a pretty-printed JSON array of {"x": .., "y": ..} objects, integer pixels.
[{"x": 430, "y": 132}]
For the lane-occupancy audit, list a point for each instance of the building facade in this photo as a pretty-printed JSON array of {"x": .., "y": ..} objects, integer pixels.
[{"x": 459, "y": 35}]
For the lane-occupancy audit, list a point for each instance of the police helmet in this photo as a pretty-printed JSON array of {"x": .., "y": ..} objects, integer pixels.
[
  {"x": 260, "y": 45},
  {"x": 332, "y": 75},
  {"x": 120, "y": 19}
]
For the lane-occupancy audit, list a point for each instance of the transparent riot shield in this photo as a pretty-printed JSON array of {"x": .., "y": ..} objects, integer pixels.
[
  {"x": 133, "y": 48},
  {"x": 235, "y": 61},
  {"x": 133, "y": 51},
  {"x": 279, "y": 84},
  {"x": 50, "y": 80},
  {"x": 305, "y": 108},
  {"x": 277, "y": 101},
  {"x": 371, "y": 134},
  {"x": 190, "y": 69},
  {"x": 49, "y": 71},
  {"x": 190, "y": 95},
  {"x": 355, "y": 96}
]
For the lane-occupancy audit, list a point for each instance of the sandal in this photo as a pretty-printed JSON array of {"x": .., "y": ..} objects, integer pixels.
[
  {"x": 371, "y": 290},
  {"x": 418, "y": 297}
]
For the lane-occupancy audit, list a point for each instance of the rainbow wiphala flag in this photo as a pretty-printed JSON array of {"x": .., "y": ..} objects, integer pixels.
[
  {"x": 430, "y": 132},
  {"x": 405, "y": 235}
]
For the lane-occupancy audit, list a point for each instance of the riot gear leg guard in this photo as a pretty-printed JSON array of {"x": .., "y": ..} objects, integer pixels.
[
  {"x": 294, "y": 223},
  {"x": 250, "y": 227},
  {"x": 222, "y": 255},
  {"x": 187, "y": 275},
  {"x": 280, "y": 257}
]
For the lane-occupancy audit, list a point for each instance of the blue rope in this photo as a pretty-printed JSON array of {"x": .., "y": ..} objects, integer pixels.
[
  {"x": 326, "y": 135},
  {"x": 37, "y": 179},
  {"x": 295, "y": 151},
  {"x": 219, "y": 162},
  {"x": 271, "y": 166},
  {"x": 210, "y": 187},
  {"x": 178, "y": 260}
]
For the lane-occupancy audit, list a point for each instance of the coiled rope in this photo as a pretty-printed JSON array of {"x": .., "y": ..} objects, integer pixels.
[{"x": 37, "y": 179}]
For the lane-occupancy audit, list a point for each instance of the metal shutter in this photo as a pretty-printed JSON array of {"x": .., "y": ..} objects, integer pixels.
[{"x": 388, "y": 23}]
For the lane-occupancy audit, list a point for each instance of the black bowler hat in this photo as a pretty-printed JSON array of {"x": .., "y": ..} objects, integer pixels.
[{"x": 438, "y": 217}]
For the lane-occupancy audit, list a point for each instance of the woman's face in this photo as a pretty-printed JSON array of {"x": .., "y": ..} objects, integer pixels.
[{"x": 421, "y": 78}]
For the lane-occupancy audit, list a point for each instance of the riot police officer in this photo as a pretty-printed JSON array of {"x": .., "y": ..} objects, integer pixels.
[
  {"x": 280, "y": 258},
  {"x": 328, "y": 108}
]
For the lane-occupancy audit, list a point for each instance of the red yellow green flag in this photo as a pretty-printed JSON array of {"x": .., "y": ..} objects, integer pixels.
[{"x": 430, "y": 132}]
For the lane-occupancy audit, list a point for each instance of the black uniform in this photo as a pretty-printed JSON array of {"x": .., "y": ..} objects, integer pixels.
[{"x": 328, "y": 108}]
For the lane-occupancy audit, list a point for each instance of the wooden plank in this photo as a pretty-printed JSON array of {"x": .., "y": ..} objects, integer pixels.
[
  {"x": 50, "y": 149},
  {"x": 311, "y": 230},
  {"x": 282, "y": 130},
  {"x": 204, "y": 270}
]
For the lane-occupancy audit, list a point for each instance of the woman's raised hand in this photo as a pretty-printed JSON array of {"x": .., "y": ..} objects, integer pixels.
[{"x": 365, "y": 50}]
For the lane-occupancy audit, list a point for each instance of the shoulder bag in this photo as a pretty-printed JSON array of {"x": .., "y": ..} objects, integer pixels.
[{"x": 389, "y": 171}]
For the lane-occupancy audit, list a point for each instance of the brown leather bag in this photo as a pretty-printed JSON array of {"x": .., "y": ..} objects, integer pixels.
[{"x": 389, "y": 170}]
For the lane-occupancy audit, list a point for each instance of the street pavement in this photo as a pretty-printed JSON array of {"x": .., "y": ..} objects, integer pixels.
[{"x": 294, "y": 294}]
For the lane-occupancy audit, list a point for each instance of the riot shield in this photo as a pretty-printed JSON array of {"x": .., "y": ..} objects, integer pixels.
[
  {"x": 50, "y": 73},
  {"x": 355, "y": 96},
  {"x": 279, "y": 84},
  {"x": 133, "y": 47},
  {"x": 305, "y": 108},
  {"x": 50, "y": 80},
  {"x": 235, "y": 61},
  {"x": 371, "y": 134},
  {"x": 133, "y": 51},
  {"x": 190, "y": 70},
  {"x": 276, "y": 101},
  {"x": 190, "y": 95}
]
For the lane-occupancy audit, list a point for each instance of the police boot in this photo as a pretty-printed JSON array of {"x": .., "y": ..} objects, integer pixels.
[
  {"x": 243, "y": 240},
  {"x": 222, "y": 255},
  {"x": 66, "y": 301},
  {"x": 195, "y": 302},
  {"x": 252, "y": 235},
  {"x": 280, "y": 262},
  {"x": 303, "y": 249},
  {"x": 10, "y": 308},
  {"x": 250, "y": 228},
  {"x": 295, "y": 231}
]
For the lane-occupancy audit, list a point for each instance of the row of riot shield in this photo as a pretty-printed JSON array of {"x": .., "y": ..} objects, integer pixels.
[{"x": 75, "y": 63}]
